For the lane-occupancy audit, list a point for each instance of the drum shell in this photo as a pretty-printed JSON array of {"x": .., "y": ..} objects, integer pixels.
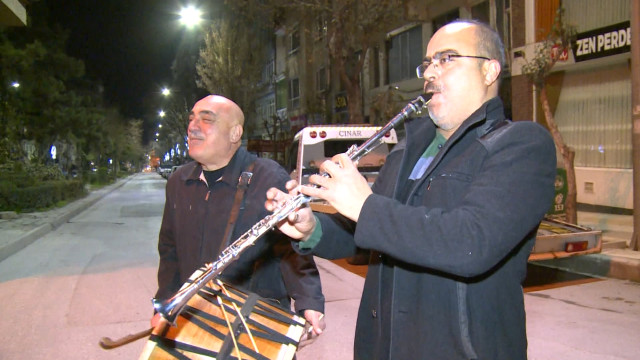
[{"x": 201, "y": 330}]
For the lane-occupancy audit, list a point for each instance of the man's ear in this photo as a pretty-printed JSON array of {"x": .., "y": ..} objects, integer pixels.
[
  {"x": 236, "y": 133},
  {"x": 491, "y": 70}
]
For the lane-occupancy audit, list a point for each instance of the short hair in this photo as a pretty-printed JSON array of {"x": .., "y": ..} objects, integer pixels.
[{"x": 489, "y": 42}]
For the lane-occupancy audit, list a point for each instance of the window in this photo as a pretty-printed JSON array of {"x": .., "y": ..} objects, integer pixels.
[
  {"x": 268, "y": 71},
  {"x": 594, "y": 108},
  {"x": 405, "y": 51},
  {"x": 375, "y": 65},
  {"x": 321, "y": 79},
  {"x": 294, "y": 40},
  {"x": 294, "y": 93},
  {"x": 320, "y": 27},
  {"x": 480, "y": 12}
]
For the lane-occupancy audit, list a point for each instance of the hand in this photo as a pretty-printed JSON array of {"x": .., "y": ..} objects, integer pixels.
[
  {"x": 317, "y": 325},
  {"x": 299, "y": 224},
  {"x": 345, "y": 189},
  {"x": 158, "y": 320}
]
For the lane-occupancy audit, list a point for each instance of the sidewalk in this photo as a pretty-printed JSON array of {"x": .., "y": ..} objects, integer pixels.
[
  {"x": 616, "y": 260},
  {"x": 18, "y": 231}
]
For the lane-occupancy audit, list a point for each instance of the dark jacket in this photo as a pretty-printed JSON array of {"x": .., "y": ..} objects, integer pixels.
[
  {"x": 193, "y": 226},
  {"x": 450, "y": 250}
]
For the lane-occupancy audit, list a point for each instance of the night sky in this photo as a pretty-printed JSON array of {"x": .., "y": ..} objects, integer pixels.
[{"x": 127, "y": 44}]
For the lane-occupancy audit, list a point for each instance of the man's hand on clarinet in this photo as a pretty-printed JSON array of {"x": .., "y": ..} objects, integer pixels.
[
  {"x": 299, "y": 224},
  {"x": 345, "y": 188}
]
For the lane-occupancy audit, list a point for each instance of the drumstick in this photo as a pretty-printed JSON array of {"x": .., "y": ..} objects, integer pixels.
[
  {"x": 235, "y": 307},
  {"x": 107, "y": 343},
  {"x": 226, "y": 317}
]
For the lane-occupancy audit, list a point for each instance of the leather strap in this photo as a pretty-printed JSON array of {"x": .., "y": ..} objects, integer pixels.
[{"x": 238, "y": 205}]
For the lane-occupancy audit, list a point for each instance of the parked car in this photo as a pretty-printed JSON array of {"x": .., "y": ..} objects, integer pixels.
[{"x": 165, "y": 170}]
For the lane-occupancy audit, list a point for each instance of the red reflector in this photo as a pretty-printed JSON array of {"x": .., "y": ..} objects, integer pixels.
[
  {"x": 388, "y": 134},
  {"x": 313, "y": 134},
  {"x": 576, "y": 246},
  {"x": 323, "y": 134}
]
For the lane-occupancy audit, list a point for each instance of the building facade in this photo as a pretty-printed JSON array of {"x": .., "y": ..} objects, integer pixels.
[
  {"x": 589, "y": 92},
  {"x": 590, "y": 87}
]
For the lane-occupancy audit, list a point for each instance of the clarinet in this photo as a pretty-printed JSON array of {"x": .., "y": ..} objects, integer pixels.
[{"x": 171, "y": 308}]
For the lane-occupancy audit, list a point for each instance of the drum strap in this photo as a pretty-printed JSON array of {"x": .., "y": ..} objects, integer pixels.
[{"x": 238, "y": 205}]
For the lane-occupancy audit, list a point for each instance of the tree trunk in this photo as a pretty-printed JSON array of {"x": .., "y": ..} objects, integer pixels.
[
  {"x": 568, "y": 155},
  {"x": 354, "y": 104}
]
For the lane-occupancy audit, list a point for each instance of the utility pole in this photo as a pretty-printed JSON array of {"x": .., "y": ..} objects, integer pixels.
[{"x": 635, "y": 116}]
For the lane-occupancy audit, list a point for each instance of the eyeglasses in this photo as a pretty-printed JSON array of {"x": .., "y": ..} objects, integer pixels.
[{"x": 442, "y": 61}]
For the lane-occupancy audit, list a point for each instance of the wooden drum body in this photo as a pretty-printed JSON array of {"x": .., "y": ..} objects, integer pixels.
[{"x": 205, "y": 326}]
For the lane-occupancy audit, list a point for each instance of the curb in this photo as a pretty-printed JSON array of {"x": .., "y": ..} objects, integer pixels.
[
  {"x": 25, "y": 240},
  {"x": 600, "y": 265},
  {"x": 74, "y": 208}
]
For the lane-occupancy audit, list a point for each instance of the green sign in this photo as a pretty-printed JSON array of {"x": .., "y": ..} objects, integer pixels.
[{"x": 558, "y": 208}]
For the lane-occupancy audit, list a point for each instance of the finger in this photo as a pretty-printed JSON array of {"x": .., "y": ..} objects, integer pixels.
[
  {"x": 293, "y": 217},
  {"x": 330, "y": 167},
  {"x": 344, "y": 161},
  {"x": 314, "y": 192},
  {"x": 319, "y": 180},
  {"x": 291, "y": 184}
]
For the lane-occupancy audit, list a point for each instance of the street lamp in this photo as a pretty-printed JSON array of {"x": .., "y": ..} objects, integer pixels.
[
  {"x": 15, "y": 84},
  {"x": 166, "y": 91},
  {"x": 161, "y": 113},
  {"x": 190, "y": 16}
]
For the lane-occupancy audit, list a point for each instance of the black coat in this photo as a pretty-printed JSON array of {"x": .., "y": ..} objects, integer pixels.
[
  {"x": 193, "y": 226},
  {"x": 450, "y": 250}
]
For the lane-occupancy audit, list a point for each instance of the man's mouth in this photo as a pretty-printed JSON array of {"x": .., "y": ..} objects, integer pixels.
[{"x": 432, "y": 88}]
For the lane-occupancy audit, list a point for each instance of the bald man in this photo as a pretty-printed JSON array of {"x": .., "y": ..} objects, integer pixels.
[
  {"x": 199, "y": 199},
  {"x": 450, "y": 220}
]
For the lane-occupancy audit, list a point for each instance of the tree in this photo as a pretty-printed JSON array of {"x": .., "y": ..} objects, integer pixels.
[
  {"x": 231, "y": 62},
  {"x": 174, "y": 130},
  {"x": 537, "y": 70},
  {"x": 354, "y": 27}
]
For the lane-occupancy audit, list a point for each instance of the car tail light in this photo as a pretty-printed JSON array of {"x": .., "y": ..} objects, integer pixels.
[{"x": 575, "y": 246}]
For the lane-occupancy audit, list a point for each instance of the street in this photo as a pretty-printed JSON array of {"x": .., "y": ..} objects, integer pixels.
[{"x": 94, "y": 277}]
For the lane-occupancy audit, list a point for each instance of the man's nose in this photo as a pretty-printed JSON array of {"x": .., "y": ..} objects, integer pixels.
[
  {"x": 194, "y": 123},
  {"x": 431, "y": 72}
]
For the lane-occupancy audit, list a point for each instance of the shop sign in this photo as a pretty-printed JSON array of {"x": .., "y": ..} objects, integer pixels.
[{"x": 606, "y": 41}]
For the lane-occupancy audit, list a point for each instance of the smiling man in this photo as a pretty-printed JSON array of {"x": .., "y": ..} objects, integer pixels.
[
  {"x": 450, "y": 220},
  {"x": 200, "y": 198}
]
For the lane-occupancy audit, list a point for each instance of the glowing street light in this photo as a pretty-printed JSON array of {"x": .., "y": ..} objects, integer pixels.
[
  {"x": 166, "y": 91},
  {"x": 190, "y": 16},
  {"x": 161, "y": 113},
  {"x": 15, "y": 84}
]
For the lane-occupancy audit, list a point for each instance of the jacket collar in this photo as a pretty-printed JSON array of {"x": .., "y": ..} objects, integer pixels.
[
  {"x": 231, "y": 174},
  {"x": 420, "y": 133},
  {"x": 483, "y": 119}
]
